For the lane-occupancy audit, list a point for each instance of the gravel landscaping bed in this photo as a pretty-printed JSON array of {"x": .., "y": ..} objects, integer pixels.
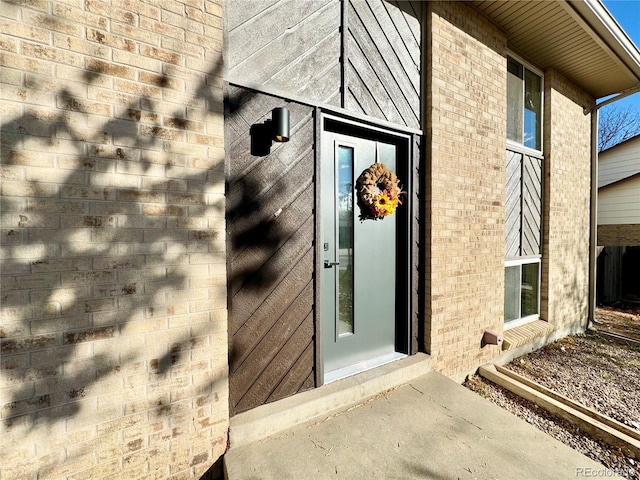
[{"x": 592, "y": 369}]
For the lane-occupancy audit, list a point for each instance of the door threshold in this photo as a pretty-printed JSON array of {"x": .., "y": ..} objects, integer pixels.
[
  {"x": 272, "y": 418},
  {"x": 363, "y": 366}
]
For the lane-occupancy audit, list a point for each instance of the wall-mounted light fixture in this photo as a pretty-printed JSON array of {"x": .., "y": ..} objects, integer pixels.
[{"x": 280, "y": 119}]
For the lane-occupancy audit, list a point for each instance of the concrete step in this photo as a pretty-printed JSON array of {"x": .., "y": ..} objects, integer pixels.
[{"x": 270, "y": 419}]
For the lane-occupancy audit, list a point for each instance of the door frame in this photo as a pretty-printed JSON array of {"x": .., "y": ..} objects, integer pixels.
[{"x": 409, "y": 332}]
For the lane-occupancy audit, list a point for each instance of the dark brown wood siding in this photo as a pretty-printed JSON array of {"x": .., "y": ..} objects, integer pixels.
[
  {"x": 361, "y": 55},
  {"x": 271, "y": 228}
]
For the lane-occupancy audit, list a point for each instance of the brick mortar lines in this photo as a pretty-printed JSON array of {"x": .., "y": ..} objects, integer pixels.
[{"x": 89, "y": 175}]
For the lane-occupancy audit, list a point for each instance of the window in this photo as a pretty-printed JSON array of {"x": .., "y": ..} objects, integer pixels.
[
  {"x": 524, "y": 192},
  {"x": 523, "y": 236},
  {"x": 522, "y": 290},
  {"x": 524, "y": 105}
]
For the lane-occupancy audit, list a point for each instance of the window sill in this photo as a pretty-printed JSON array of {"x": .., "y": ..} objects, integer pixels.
[
  {"x": 519, "y": 148},
  {"x": 523, "y": 334}
]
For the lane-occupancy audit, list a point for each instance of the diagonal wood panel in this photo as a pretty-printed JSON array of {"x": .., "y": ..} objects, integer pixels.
[
  {"x": 293, "y": 341},
  {"x": 271, "y": 227},
  {"x": 406, "y": 18},
  {"x": 531, "y": 205},
  {"x": 288, "y": 45},
  {"x": 291, "y": 381},
  {"x": 382, "y": 74},
  {"x": 296, "y": 48},
  {"x": 523, "y": 205},
  {"x": 366, "y": 59},
  {"x": 513, "y": 209},
  {"x": 400, "y": 51}
]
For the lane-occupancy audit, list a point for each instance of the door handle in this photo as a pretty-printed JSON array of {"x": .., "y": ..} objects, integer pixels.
[{"x": 328, "y": 264}]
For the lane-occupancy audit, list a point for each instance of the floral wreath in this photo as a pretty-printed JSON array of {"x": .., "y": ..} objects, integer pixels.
[{"x": 378, "y": 192}]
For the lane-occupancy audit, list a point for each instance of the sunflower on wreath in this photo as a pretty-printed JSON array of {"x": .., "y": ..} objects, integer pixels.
[{"x": 378, "y": 192}]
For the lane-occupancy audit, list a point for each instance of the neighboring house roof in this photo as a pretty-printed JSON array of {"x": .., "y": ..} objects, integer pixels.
[
  {"x": 618, "y": 163},
  {"x": 618, "y": 182},
  {"x": 617, "y": 145},
  {"x": 578, "y": 38}
]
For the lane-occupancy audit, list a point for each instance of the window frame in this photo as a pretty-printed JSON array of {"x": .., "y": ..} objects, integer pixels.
[
  {"x": 520, "y": 262},
  {"x": 526, "y": 66}
]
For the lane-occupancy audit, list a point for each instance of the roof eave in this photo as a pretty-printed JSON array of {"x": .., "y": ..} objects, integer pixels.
[{"x": 605, "y": 30}]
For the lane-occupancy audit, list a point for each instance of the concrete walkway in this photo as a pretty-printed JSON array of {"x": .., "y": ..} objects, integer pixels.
[{"x": 429, "y": 428}]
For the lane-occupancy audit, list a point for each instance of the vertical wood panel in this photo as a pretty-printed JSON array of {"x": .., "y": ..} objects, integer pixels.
[{"x": 271, "y": 228}]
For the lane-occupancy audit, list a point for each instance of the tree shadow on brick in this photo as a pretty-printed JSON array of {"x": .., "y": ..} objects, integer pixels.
[{"x": 113, "y": 265}]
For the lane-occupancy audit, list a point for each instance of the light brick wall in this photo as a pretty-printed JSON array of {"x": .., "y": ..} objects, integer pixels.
[
  {"x": 565, "y": 261},
  {"x": 113, "y": 317},
  {"x": 465, "y": 135}
]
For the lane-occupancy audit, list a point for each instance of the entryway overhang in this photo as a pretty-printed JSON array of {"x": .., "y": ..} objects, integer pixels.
[{"x": 580, "y": 39}]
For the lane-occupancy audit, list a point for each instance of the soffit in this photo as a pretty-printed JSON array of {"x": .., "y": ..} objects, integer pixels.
[{"x": 579, "y": 39}]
